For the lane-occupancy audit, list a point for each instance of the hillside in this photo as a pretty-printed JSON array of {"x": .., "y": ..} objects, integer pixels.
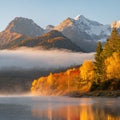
[{"x": 50, "y": 40}]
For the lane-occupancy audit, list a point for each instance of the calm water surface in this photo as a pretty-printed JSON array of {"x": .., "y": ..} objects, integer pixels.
[{"x": 59, "y": 108}]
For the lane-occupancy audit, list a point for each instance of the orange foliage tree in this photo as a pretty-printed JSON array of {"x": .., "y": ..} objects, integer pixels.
[{"x": 64, "y": 82}]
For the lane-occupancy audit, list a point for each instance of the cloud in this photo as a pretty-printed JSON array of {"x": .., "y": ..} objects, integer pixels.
[{"x": 28, "y": 58}]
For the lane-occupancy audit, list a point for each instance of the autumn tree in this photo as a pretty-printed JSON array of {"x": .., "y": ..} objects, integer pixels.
[
  {"x": 74, "y": 81},
  {"x": 49, "y": 79},
  {"x": 34, "y": 83},
  {"x": 87, "y": 71},
  {"x": 112, "y": 65}
]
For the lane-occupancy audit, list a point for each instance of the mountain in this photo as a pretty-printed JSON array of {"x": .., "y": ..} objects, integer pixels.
[
  {"x": 49, "y": 28},
  {"x": 50, "y": 40},
  {"x": 18, "y": 29},
  {"x": 81, "y": 31},
  {"x": 96, "y": 30},
  {"x": 84, "y": 32},
  {"x": 24, "y": 26}
]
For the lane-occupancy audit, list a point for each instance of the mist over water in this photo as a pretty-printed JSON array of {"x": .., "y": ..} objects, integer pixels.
[
  {"x": 28, "y": 58},
  {"x": 59, "y": 108},
  {"x": 19, "y": 67}
]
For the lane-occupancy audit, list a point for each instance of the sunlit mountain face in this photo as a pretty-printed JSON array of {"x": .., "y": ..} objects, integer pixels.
[
  {"x": 19, "y": 29},
  {"x": 24, "y": 26}
]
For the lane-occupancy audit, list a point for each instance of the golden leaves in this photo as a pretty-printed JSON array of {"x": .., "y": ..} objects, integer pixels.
[{"x": 112, "y": 65}]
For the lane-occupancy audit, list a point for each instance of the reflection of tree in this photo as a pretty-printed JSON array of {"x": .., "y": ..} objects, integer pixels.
[
  {"x": 50, "y": 112},
  {"x": 109, "y": 112},
  {"x": 86, "y": 112},
  {"x": 78, "y": 112}
]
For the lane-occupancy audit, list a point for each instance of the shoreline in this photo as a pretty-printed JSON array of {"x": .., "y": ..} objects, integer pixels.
[{"x": 107, "y": 94}]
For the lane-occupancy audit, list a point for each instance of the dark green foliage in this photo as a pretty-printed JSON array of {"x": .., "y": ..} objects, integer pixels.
[
  {"x": 112, "y": 44},
  {"x": 98, "y": 62},
  {"x": 101, "y": 81},
  {"x": 104, "y": 85},
  {"x": 113, "y": 85},
  {"x": 94, "y": 86},
  {"x": 114, "y": 34}
]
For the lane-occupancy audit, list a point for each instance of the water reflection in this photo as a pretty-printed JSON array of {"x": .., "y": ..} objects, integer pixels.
[
  {"x": 83, "y": 111},
  {"x": 59, "y": 108}
]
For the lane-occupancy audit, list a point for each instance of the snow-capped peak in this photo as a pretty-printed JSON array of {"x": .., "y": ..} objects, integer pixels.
[
  {"x": 80, "y": 17},
  {"x": 77, "y": 17},
  {"x": 82, "y": 25},
  {"x": 93, "y": 28}
]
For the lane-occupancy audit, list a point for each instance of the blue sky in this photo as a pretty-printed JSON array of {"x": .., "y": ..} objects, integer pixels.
[{"x": 45, "y": 12}]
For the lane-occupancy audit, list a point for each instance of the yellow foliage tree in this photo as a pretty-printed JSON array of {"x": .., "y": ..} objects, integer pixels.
[
  {"x": 49, "y": 78},
  {"x": 87, "y": 71},
  {"x": 112, "y": 65}
]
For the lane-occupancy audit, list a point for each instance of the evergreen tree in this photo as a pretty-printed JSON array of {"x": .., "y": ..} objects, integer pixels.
[
  {"x": 114, "y": 34},
  {"x": 112, "y": 45},
  {"x": 98, "y": 62}
]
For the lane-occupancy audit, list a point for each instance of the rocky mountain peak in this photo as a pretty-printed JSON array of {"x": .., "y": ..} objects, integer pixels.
[
  {"x": 24, "y": 26},
  {"x": 83, "y": 20},
  {"x": 66, "y": 23}
]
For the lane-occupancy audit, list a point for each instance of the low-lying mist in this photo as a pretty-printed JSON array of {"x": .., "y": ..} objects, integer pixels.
[
  {"x": 29, "y": 58},
  {"x": 18, "y": 68}
]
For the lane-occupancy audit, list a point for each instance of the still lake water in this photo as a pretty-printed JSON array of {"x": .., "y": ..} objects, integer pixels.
[{"x": 59, "y": 108}]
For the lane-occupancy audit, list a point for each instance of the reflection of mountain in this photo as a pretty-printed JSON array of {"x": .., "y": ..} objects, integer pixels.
[{"x": 72, "y": 112}]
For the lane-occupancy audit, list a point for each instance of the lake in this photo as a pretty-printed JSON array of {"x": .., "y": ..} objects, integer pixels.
[{"x": 58, "y": 108}]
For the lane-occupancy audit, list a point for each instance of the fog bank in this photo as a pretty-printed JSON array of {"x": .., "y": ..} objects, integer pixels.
[{"x": 28, "y": 58}]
